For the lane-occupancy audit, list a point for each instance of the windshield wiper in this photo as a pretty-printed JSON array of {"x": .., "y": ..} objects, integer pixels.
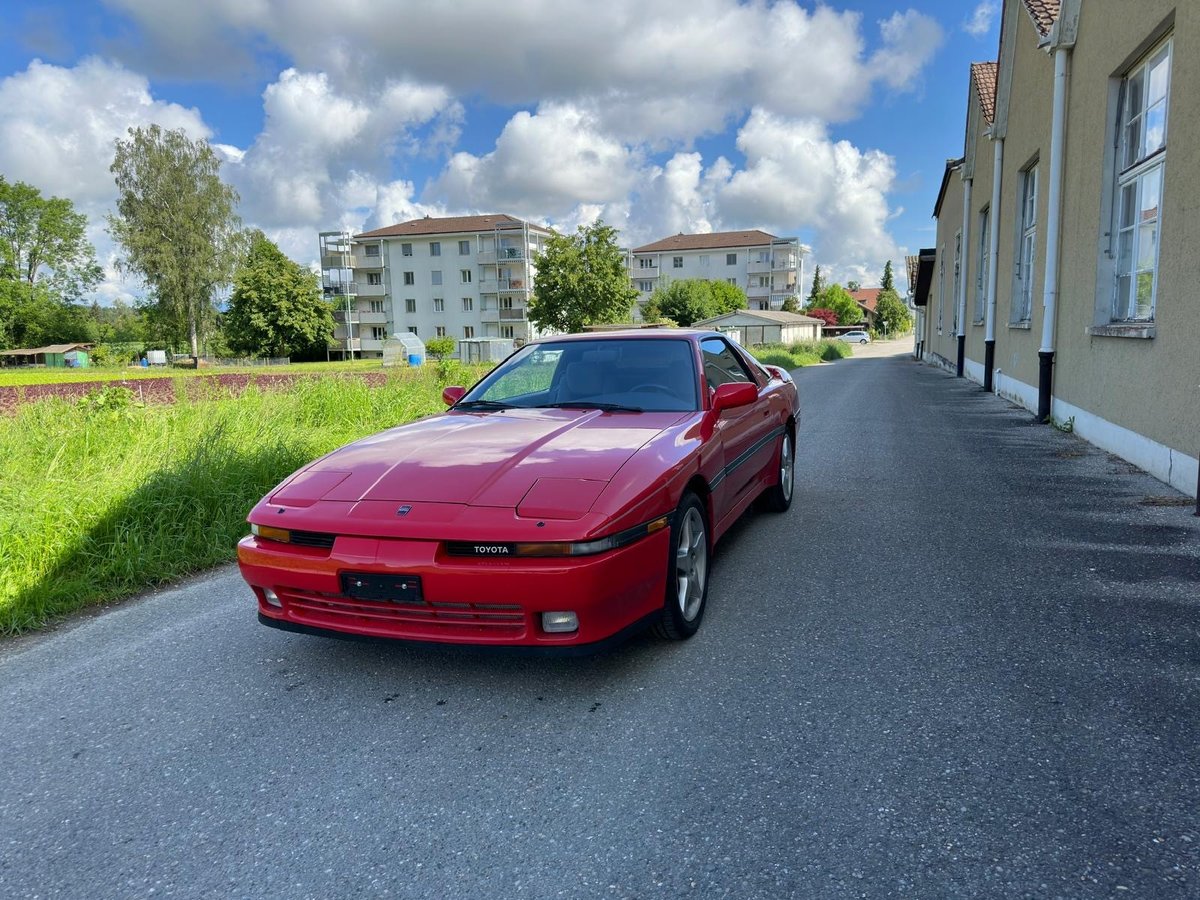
[
  {"x": 590, "y": 404},
  {"x": 483, "y": 404}
]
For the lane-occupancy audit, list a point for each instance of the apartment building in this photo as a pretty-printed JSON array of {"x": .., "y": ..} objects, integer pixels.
[
  {"x": 768, "y": 268},
  {"x": 1064, "y": 272},
  {"x": 462, "y": 277}
]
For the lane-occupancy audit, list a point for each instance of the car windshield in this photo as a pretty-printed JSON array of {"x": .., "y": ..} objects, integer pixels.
[{"x": 633, "y": 375}]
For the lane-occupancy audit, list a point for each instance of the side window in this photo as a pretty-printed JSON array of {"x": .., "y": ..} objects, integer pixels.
[{"x": 721, "y": 363}]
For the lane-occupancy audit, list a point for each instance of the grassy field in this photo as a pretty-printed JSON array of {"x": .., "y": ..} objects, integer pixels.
[
  {"x": 805, "y": 353},
  {"x": 103, "y": 498},
  {"x": 14, "y": 377}
]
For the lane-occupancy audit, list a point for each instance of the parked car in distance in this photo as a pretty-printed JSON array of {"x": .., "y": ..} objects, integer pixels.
[
  {"x": 573, "y": 496},
  {"x": 855, "y": 337}
]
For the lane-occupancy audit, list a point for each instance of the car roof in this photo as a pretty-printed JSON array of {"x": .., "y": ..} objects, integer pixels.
[{"x": 679, "y": 334}]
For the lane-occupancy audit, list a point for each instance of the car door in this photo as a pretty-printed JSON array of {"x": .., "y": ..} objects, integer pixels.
[{"x": 741, "y": 431}]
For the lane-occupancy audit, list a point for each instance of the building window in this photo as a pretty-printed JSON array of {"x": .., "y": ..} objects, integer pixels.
[
  {"x": 464, "y": 248},
  {"x": 1141, "y": 154},
  {"x": 371, "y": 250},
  {"x": 731, "y": 259},
  {"x": 645, "y": 262},
  {"x": 732, "y": 281},
  {"x": 435, "y": 248},
  {"x": 677, "y": 262},
  {"x": 436, "y": 275},
  {"x": 378, "y": 333},
  {"x": 439, "y": 331},
  {"x": 439, "y": 304},
  {"x": 984, "y": 265},
  {"x": 941, "y": 287},
  {"x": 412, "y": 329},
  {"x": 464, "y": 276},
  {"x": 468, "y": 331},
  {"x": 1026, "y": 247},
  {"x": 645, "y": 286},
  {"x": 507, "y": 331},
  {"x": 376, "y": 306},
  {"x": 406, "y": 249},
  {"x": 704, "y": 259},
  {"x": 468, "y": 304},
  {"x": 957, "y": 278},
  {"x": 410, "y": 305},
  {"x": 374, "y": 278},
  {"x": 410, "y": 278}
]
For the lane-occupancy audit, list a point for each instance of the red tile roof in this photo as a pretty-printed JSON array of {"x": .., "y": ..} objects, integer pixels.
[
  {"x": 445, "y": 225},
  {"x": 714, "y": 240},
  {"x": 983, "y": 76},
  {"x": 866, "y": 297},
  {"x": 1043, "y": 13}
]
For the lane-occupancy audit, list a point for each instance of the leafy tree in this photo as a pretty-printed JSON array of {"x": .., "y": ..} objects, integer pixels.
[
  {"x": 891, "y": 314},
  {"x": 852, "y": 286},
  {"x": 276, "y": 308},
  {"x": 791, "y": 304},
  {"x": 726, "y": 298},
  {"x": 818, "y": 286},
  {"x": 176, "y": 222},
  {"x": 828, "y": 316},
  {"x": 835, "y": 298},
  {"x": 440, "y": 347},
  {"x": 888, "y": 283},
  {"x": 690, "y": 300},
  {"x": 581, "y": 280}
]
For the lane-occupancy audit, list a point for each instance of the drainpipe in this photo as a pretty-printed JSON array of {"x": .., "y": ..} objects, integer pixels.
[
  {"x": 989, "y": 340},
  {"x": 964, "y": 257},
  {"x": 1054, "y": 202}
]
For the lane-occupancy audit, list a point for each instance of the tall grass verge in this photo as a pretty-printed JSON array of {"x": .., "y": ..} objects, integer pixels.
[
  {"x": 103, "y": 497},
  {"x": 803, "y": 353}
]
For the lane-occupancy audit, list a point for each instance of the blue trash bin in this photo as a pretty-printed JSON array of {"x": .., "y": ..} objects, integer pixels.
[{"x": 414, "y": 359}]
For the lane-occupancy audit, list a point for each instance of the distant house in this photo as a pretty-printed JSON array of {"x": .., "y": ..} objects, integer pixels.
[
  {"x": 54, "y": 356},
  {"x": 867, "y": 298},
  {"x": 766, "y": 326}
]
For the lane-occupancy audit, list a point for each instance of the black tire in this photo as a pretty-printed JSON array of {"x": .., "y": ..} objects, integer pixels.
[
  {"x": 778, "y": 497},
  {"x": 683, "y": 606},
  {"x": 862, "y": 342}
]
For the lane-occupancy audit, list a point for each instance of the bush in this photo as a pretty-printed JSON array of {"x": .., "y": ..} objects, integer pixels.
[{"x": 439, "y": 347}]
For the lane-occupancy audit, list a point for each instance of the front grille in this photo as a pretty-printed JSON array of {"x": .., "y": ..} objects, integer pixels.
[
  {"x": 313, "y": 539},
  {"x": 420, "y": 618}
]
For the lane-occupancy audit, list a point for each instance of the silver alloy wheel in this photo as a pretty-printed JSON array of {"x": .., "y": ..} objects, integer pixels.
[
  {"x": 787, "y": 464},
  {"x": 691, "y": 564}
]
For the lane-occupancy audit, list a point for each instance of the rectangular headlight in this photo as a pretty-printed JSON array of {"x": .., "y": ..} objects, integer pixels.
[{"x": 271, "y": 534}]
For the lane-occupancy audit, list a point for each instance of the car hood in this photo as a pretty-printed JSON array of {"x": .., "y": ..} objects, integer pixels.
[{"x": 482, "y": 459}]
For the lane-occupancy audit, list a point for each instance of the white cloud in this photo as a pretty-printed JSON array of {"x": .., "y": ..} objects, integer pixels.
[{"x": 980, "y": 21}]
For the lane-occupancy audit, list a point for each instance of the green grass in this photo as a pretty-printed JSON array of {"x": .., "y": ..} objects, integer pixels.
[
  {"x": 101, "y": 499},
  {"x": 25, "y": 376},
  {"x": 804, "y": 353}
]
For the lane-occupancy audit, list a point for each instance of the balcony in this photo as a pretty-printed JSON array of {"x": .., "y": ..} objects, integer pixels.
[
  {"x": 493, "y": 255},
  {"x": 783, "y": 263},
  {"x": 362, "y": 261},
  {"x": 636, "y": 272},
  {"x": 501, "y": 285},
  {"x": 503, "y": 314},
  {"x": 777, "y": 300},
  {"x": 758, "y": 290},
  {"x": 366, "y": 289},
  {"x": 373, "y": 318},
  {"x": 340, "y": 288},
  {"x": 758, "y": 266}
]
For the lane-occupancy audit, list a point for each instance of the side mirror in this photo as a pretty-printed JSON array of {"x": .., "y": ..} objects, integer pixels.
[
  {"x": 734, "y": 394},
  {"x": 452, "y": 395}
]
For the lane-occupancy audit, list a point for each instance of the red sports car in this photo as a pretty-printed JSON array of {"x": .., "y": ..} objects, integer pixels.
[{"x": 572, "y": 496}]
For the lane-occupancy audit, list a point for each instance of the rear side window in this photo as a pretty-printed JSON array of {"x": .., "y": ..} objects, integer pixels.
[{"x": 721, "y": 363}]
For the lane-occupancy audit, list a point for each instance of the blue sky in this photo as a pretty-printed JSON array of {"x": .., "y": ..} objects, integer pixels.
[{"x": 831, "y": 121}]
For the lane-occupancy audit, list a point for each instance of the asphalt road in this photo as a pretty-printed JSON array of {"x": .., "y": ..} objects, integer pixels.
[{"x": 966, "y": 664}]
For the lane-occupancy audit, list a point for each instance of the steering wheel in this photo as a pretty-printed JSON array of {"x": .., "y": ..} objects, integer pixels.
[{"x": 655, "y": 388}]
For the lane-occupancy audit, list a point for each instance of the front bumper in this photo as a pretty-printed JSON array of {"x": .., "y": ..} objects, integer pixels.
[{"x": 480, "y": 601}]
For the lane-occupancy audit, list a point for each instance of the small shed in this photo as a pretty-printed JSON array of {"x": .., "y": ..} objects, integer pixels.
[
  {"x": 766, "y": 326},
  {"x": 403, "y": 349},
  {"x": 55, "y": 356},
  {"x": 484, "y": 350}
]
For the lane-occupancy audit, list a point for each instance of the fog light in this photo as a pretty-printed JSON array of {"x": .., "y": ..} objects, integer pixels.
[
  {"x": 559, "y": 622},
  {"x": 272, "y": 598}
]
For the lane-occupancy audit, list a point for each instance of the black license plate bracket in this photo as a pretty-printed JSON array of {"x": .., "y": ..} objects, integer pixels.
[{"x": 389, "y": 588}]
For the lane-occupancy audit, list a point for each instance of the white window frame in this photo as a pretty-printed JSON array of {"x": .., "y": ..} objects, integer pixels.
[
  {"x": 464, "y": 249},
  {"x": 410, "y": 277},
  {"x": 464, "y": 276},
  {"x": 435, "y": 248},
  {"x": 731, "y": 259},
  {"x": 410, "y": 305},
  {"x": 412, "y": 329},
  {"x": 406, "y": 249},
  {"x": 378, "y": 333},
  {"x": 1139, "y": 170},
  {"x": 468, "y": 331},
  {"x": 377, "y": 306},
  {"x": 435, "y": 276},
  {"x": 439, "y": 304},
  {"x": 1025, "y": 258},
  {"x": 983, "y": 267},
  {"x": 374, "y": 278},
  {"x": 468, "y": 304},
  {"x": 676, "y": 262},
  {"x": 371, "y": 250}
]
